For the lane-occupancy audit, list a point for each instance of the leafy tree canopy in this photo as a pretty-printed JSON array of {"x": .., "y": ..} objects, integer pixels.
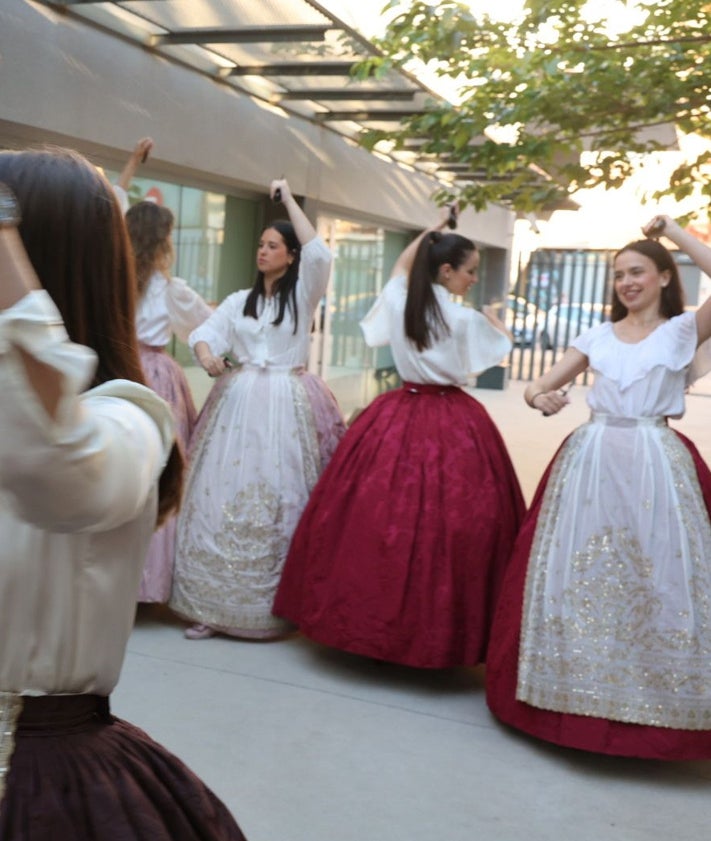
[{"x": 559, "y": 81}]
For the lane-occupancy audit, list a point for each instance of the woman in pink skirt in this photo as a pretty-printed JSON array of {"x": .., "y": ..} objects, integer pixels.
[
  {"x": 266, "y": 431},
  {"x": 167, "y": 306},
  {"x": 602, "y": 635},
  {"x": 400, "y": 552}
]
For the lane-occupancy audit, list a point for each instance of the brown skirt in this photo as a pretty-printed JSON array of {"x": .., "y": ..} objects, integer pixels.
[{"x": 77, "y": 773}]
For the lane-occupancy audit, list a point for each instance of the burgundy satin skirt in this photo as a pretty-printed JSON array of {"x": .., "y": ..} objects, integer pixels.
[
  {"x": 588, "y": 733},
  {"x": 79, "y": 774},
  {"x": 400, "y": 552}
]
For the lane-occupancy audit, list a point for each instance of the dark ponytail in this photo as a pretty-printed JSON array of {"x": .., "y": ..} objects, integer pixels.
[{"x": 424, "y": 320}]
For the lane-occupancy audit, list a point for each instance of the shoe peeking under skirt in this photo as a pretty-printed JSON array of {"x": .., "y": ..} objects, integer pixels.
[{"x": 199, "y": 632}]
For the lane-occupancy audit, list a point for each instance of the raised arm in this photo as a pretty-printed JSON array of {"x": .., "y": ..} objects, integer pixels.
[
  {"x": 303, "y": 228},
  {"x": 17, "y": 279},
  {"x": 404, "y": 262},
  {"x": 138, "y": 156},
  {"x": 699, "y": 253}
]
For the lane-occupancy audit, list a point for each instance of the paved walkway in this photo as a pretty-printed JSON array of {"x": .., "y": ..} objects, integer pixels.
[{"x": 308, "y": 744}]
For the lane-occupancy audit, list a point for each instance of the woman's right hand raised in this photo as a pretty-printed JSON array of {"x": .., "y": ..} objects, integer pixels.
[
  {"x": 659, "y": 225},
  {"x": 279, "y": 190}
]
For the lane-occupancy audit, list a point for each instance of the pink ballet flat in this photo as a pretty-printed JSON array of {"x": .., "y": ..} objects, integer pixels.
[{"x": 200, "y": 632}]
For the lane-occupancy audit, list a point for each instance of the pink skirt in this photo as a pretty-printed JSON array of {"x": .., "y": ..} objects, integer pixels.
[
  {"x": 599, "y": 735},
  {"x": 400, "y": 553},
  {"x": 165, "y": 376}
]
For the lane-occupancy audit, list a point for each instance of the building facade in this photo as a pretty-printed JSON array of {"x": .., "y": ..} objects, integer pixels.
[{"x": 66, "y": 80}]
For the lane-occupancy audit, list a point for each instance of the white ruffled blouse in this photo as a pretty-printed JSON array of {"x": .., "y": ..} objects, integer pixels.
[
  {"x": 640, "y": 379},
  {"x": 472, "y": 346}
]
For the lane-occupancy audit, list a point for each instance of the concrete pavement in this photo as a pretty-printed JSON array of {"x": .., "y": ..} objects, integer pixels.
[{"x": 308, "y": 744}]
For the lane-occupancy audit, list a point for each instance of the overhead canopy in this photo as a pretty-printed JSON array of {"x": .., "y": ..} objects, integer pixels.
[{"x": 294, "y": 54}]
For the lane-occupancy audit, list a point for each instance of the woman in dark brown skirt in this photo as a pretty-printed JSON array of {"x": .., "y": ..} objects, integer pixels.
[{"x": 84, "y": 478}]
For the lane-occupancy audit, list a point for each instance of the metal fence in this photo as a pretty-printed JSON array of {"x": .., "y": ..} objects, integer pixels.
[{"x": 558, "y": 295}]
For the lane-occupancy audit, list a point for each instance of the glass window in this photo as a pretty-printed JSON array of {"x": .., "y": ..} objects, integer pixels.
[
  {"x": 198, "y": 235},
  {"x": 363, "y": 258}
]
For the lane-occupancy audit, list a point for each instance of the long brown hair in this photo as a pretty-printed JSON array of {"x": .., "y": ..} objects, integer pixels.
[
  {"x": 149, "y": 229},
  {"x": 672, "y": 300},
  {"x": 74, "y": 234},
  {"x": 424, "y": 320}
]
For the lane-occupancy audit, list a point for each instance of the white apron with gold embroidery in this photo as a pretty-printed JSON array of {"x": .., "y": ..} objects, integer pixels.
[
  {"x": 617, "y": 610},
  {"x": 254, "y": 459}
]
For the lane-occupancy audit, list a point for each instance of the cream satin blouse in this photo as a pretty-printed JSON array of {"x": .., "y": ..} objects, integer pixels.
[{"x": 78, "y": 502}]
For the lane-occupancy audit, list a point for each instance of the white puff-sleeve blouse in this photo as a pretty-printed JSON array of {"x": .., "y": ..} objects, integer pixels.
[
  {"x": 78, "y": 496},
  {"x": 472, "y": 346},
  {"x": 258, "y": 341},
  {"x": 169, "y": 307}
]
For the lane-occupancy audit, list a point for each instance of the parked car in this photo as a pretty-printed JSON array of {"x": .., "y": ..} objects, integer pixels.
[
  {"x": 563, "y": 322},
  {"x": 521, "y": 318}
]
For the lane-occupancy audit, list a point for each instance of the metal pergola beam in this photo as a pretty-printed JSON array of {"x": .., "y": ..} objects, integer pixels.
[
  {"x": 346, "y": 94},
  {"x": 243, "y": 35},
  {"x": 323, "y": 68},
  {"x": 73, "y": 2},
  {"x": 91, "y": 2},
  {"x": 366, "y": 116},
  {"x": 444, "y": 167}
]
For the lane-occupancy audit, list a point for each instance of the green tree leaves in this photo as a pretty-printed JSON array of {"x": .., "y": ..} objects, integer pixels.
[{"x": 560, "y": 79}]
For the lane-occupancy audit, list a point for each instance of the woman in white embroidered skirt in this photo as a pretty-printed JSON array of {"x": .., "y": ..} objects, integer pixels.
[
  {"x": 167, "y": 306},
  {"x": 602, "y": 636},
  {"x": 265, "y": 433}
]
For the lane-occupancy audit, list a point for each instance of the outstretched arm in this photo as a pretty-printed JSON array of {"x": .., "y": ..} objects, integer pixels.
[
  {"x": 139, "y": 154},
  {"x": 544, "y": 392},
  {"x": 699, "y": 253}
]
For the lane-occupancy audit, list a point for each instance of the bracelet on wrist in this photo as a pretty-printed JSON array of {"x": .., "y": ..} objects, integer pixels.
[
  {"x": 9, "y": 208},
  {"x": 533, "y": 398}
]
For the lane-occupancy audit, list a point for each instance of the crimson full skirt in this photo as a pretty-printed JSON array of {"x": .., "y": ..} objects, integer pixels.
[
  {"x": 79, "y": 774},
  {"x": 400, "y": 552},
  {"x": 584, "y": 732}
]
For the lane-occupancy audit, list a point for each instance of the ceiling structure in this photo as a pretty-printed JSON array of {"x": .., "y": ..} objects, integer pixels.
[{"x": 293, "y": 54}]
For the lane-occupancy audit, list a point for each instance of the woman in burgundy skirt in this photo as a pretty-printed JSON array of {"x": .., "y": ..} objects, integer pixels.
[
  {"x": 400, "y": 552},
  {"x": 602, "y": 635}
]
